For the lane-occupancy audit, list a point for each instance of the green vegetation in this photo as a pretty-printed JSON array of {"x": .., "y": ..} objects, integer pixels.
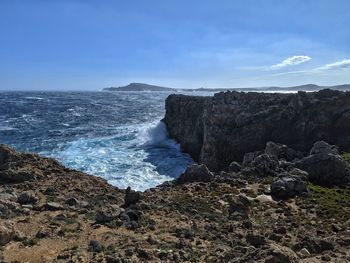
[
  {"x": 346, "y": 157},
  {"x": 331, "y": 202}
]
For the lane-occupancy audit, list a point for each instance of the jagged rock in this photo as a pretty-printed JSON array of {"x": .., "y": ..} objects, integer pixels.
[
  {"x": 9, "y": 173},
  {"x": 323, "y": 147},
  {"x": 107, "y": 214},
  {"x": 261, "y": 165},
  {"x": 234, "y": 167},
  {"x": 323, "y": 166},
  {"x": 289, "y": 184},
  {"x": 195, "y": 173},
  {"x": 27, "y": 197},
  {"x": 281, "y": 151},
  {"x": 239, "y": 207},
  {"x": 218, "y": 130},
  {"x": 249, "y": 158},
  {"x": 131, "y": 197},
  {"x": 7, "y": 232}
]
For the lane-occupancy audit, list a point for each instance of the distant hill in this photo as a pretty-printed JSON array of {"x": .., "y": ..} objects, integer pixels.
[
  {"x": 147, "y": 87},
  {"x": 310, "y": 87},
  {"x": 139, "y": 87}
]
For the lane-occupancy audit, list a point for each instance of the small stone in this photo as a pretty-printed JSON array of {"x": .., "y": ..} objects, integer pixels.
[
  {"x": 42, "y": 233},
  {"x": 53, "y": 206},
  {"x": 326, "y": 258},
  {"x": 304, "y": 252},
  {"x": 255, "y": 240},
  {"x": 239, "y": 206},
  {"x": 95, "y": 246},
  {"x": 72, "y": 201},
  {"x": 132, "y": 225},
  {"x": 143, "y": 254},
  {"x": 27, "y": 197}
]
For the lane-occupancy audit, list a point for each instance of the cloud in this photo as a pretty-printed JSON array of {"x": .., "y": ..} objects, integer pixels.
[
  {"x": 335, "y": 66},
  {"x": 343, "y": 64},
  {"x": 295, "y": 60}
]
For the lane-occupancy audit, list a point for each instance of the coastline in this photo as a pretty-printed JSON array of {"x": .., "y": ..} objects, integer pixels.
[{"x": 272, "y": 207}]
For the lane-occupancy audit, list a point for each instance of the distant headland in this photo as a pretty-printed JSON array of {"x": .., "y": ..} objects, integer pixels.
[{"x": 148, "y": 87}]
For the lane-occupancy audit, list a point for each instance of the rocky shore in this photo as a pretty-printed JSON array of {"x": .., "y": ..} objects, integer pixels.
[
  {"x": 279, "y": 201},
  {"x": 220, "y": 129}
]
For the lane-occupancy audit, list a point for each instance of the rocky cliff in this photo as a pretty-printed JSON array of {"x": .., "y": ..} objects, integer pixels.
[{"x": 220, "y": 129}]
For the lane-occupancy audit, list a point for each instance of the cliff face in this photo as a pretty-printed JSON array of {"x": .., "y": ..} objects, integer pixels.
[
  {"x": 220, "y": 129},
  {"x": 184, "y": 118}
]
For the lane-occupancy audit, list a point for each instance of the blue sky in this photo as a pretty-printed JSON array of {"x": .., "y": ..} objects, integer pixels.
[{"x": 88, "y": 45}]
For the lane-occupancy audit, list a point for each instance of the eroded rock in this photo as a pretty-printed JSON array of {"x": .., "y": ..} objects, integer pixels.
[
  {"x": 324, "y": 166},
  {"x": 290, "y": 184},
  {"x": 195, "y": 173}
]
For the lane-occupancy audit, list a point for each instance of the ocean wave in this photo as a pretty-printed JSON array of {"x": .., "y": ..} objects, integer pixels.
[
  {"x": 34, "y": 98},
  {"x": 141, "y": 156}
]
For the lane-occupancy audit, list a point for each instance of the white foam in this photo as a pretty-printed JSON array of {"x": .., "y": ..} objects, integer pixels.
[{"x": 140, "y": 155}]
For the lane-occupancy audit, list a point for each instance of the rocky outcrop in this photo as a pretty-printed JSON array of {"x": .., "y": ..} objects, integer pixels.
[
  {"x": 221, "y": 129},
  {"x": 195, "y": 173},
  {"x": 324, "y": 165},
  {"x": 289, "y": 184}
]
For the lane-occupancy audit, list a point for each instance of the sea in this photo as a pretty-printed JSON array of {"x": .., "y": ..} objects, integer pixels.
[{"x": 118, "y": 136}]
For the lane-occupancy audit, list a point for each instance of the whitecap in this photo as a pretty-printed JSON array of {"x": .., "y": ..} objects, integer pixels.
[{"x": 139, "y": 155}]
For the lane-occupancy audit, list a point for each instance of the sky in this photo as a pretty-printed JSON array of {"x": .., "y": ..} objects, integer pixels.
[{"x": 89, "y": 45}]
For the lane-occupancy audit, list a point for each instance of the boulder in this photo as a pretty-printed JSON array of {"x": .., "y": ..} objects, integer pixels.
[
  {"x": 323, "y": 147},
  {"x": 107, "y": 214},
  {"x": 234, "y": 167},
  {"x": 195, "y": 173},
  {"x": 7, "y": 232},
  {"x": 131, "y": 197},
  {"x": 282, "y": 151},
  {"x": 290, "y": 184},
  {"x": 261, "y": 165},
  {"x": 324, "y": 166}
]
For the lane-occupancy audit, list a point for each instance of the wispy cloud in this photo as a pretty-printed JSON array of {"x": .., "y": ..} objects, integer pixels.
[
  {"x": 343, "y": 64},
  {"x": 295, "y": 60},
  {"x": 335, "y": 66}
]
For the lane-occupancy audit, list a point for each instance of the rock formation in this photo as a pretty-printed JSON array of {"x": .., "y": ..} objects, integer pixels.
[
  {"x": 219, "y": 130},
  {"x": 56, "y": 214}
]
